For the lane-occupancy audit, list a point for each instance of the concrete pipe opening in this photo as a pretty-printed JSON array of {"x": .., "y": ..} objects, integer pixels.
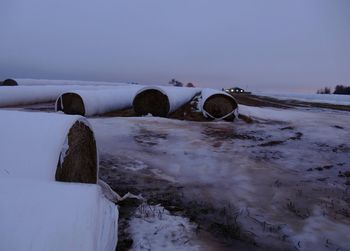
[
  {"x": 153, "y": 102},
  {"x": 9, "y": 82},
  {"x": 71, "y": 103},
  {"x": 78, "y": 163},
  {"x": 219, "y": 106}
]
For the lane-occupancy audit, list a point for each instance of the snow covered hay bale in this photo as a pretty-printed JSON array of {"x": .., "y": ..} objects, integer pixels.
[
  {"x": 46, "y": 146},
  {"x": 162, "y": 100},
  {"x": 93, "y": 102},
  {"x": 218, "y": 105},
  {"x": 9, "y": 82}
]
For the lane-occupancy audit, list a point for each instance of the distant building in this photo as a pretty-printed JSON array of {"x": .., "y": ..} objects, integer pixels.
[{"x": 236, "y": 90}]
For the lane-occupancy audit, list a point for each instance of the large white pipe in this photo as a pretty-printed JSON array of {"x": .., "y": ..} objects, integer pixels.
[
  {"x": 25, "y": 95},
  {"x": 41, "y": 82},
  {"x": 218, "y": 105},
  {"x": 162, "y": 100},
  {"x": 92, "y": 102}
]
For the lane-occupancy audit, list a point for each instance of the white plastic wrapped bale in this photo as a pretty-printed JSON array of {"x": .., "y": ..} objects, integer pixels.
[
  {"x": 92, "y": 102},
  {"x": 48, "y": 215},
  {"x": 218, "y": 105},
  {"x": 41, "y": 82},
  {"x": 47, "y": 146},
  {"x": 162, "y": 100},
  {"x": 25, "y": 95}
]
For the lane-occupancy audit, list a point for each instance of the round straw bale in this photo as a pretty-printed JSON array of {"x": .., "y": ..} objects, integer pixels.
[
  {"x": 72, "y": 104},
  {"x": 219, "y": 105},
  {"x": 151, "y": 101},
  {"x": 80, "y": 161},
  {"x": 9, "y": 82}
]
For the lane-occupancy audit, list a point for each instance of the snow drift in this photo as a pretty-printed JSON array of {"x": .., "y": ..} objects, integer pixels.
[
  {"x": 46, "y": 146},
  {"x": 218, "y": 105},
  {"x": 48, "y": 215},
  {"x": 162, "y": 100},
  {"x": 92, "y": 102}
]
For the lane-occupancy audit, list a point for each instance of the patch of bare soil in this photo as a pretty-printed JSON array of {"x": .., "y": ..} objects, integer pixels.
[{"x": 226, "y": 133}]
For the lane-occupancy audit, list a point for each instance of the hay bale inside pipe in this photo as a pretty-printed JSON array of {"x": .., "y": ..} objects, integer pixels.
[
  {"x": 51, "y": 147},
  {"x": 71, "y": 103},
  {"x": 151, "y": 101},
  {"x": 218, "y": 105},
  {"x": 9, "y": 82},
  {"x": 80, "y": 159}
]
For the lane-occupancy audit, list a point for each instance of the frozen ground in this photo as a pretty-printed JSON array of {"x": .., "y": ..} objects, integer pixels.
[
  {"x": 280, "y": 183},
  {"x": 318, "y": 98}
]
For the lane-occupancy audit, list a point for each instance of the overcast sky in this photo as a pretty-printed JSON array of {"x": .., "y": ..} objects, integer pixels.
[{"x": 272, "y": 44}]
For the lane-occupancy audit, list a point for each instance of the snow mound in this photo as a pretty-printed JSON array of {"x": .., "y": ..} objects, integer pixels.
[{"x": 154, "y": 228}]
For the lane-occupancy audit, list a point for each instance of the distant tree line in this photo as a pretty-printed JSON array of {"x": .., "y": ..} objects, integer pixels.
[
  {"x": 177, "y": 83},
  {"x": 325, "y": 90},
  {"x": 339, "y": 89}
]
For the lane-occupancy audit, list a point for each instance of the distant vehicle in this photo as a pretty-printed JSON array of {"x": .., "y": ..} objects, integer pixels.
[{"x": 236, "y": 90}]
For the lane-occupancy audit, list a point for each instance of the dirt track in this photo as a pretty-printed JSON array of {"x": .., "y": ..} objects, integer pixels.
[{"x": 260, "y": 101}]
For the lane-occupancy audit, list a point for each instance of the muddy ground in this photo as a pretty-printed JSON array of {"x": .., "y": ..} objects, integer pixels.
[
  {"x": 258, "y": 186},
  {"x": 266, "y": 185}
]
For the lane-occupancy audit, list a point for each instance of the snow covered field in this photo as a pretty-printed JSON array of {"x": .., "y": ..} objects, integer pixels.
[
  {"x": 317, "y": 98},
  {"x": 277, "y": 184}
]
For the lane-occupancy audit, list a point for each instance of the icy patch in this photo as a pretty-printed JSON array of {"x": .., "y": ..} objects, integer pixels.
[
  {"x": 137, "y": 165},
  {"x": 154, "y": 228},
  {"x": 321, "y": 233}
]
